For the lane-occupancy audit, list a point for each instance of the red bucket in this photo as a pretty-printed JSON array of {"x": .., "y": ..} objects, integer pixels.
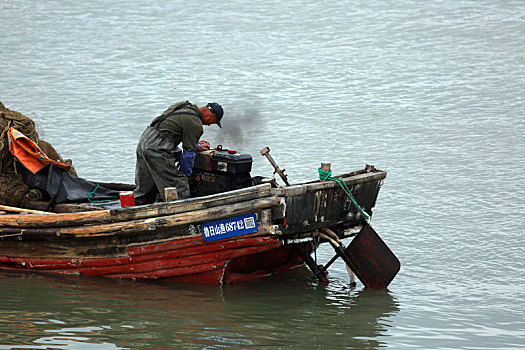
[{"x": 127, "y": 199}]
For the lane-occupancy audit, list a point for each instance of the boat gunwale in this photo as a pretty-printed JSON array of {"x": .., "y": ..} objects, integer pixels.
[
  {"x": 142, "y": 225},
  {"x": 133, "y": 213},
  {"x": 349, "y": 179},
  {"x": 159, "y": 210}
]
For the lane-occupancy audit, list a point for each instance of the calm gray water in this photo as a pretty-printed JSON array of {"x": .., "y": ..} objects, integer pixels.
[{"x": 432, "y": 92}]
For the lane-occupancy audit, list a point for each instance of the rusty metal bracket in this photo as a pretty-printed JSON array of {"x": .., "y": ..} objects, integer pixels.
[{"x": 266, "y": 152}]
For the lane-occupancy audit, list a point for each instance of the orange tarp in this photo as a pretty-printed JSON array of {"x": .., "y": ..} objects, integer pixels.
[{"x": 28, "y": 152}]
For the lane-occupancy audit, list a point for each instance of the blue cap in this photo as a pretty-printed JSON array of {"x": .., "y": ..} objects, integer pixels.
[{"x": 216, "y": 109}]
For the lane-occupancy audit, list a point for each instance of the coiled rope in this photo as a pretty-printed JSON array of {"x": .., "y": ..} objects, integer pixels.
[
  {"x": 92, "y": 193},
  {"x": 326, "y": 175}
]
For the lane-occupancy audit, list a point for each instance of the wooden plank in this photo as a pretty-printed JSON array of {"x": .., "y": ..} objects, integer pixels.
[
  {"x": 278, "y": 211},
  {"x": 321, "y": 210},
  {"x": 329, "y": 203},
  {"x": 22, "y": 210},
  {"x": 133, "y": 213},
  {"x": 289, "y": 209},
  {"x": 338, "y": 204},
  {"x": 300, "y": 210},
  {"x": 370, "y": 258},
  {"x": 295, "y": 190},
  {"x": 170, "y": 262},
  {"x": 368, "y": 195},
  {"x": 153, "y": 224},
  {"x": 73, "y": 208},
  {"x": 96, "y": 246},
  {"x": 90, "y": 256}
]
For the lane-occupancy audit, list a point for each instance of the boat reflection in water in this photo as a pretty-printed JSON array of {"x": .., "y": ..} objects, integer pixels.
[{"x": 71, "y": 311}]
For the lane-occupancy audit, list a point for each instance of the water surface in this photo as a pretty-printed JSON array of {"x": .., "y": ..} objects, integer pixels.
[{"x": 431, "y": 92}]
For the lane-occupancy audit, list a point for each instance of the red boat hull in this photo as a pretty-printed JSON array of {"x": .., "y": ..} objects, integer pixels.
[{"x": 188, "y": 259}]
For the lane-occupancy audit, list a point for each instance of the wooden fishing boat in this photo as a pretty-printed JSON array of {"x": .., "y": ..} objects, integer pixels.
[{"x": 229, "y": 236}]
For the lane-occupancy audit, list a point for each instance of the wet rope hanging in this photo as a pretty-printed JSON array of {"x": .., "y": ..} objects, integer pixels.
[{"x": 326, "y": 175}]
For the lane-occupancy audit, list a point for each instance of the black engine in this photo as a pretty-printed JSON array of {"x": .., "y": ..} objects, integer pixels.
[{"x": 219, "y": 170}]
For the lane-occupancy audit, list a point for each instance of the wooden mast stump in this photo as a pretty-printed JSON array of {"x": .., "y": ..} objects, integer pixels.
[
  {"x": 170, "y": 193},
  {"x": 326, "y": 167}
]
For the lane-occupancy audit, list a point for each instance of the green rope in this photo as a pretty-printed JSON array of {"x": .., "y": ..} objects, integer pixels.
[
  {"x": 92, "y": 193},
  {"x": 326, "y": 175}
]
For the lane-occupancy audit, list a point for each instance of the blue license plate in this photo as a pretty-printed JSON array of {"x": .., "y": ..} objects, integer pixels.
[{"x": 230, "y": 227}]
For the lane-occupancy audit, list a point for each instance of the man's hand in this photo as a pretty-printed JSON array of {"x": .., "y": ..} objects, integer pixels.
[{"x": 203, "y": 146}]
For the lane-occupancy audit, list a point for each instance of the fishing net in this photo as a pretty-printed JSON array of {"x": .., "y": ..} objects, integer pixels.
[{"x": 13, "y": 190}]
